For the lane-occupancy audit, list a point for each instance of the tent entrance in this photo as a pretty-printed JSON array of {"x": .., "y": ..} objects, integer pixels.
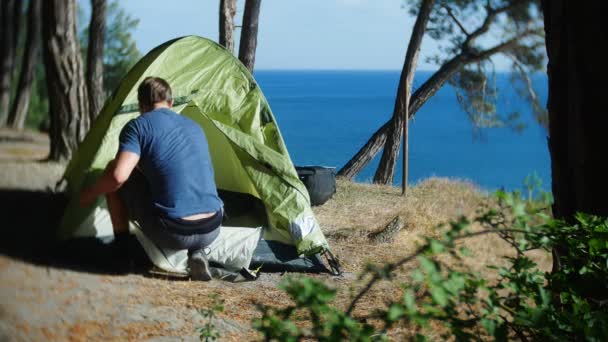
[{"x": 242, "y": 210}]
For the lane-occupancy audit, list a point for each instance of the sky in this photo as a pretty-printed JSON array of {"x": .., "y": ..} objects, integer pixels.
[{"x": 295, "y": 34}]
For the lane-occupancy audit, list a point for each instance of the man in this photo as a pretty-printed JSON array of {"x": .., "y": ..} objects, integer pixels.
[{"x": 162, "y": 177}]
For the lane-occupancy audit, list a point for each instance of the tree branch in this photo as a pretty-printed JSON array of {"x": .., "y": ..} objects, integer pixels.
[
  {"x": 394, "y": 266},
  {"x": 502, "y": 47},
  {"x": 448, "y": 9},
  {"x": 485, "y": 26},
  {"x": 539, "y": 111},
  {"x": 365, "y": 154}
]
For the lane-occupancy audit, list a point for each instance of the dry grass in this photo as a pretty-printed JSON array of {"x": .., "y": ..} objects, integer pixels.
[
  {"x": 358, "y": 209},
  {"x": 354, "y": 211}
]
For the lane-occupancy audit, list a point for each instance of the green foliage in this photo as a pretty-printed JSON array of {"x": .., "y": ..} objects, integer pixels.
[
  {"x": 512, "y": 29},
  {"x": 532, "y": 183},
  {"x": 120, "y": 54},
  {"x": 38, "y": 115},
  {"x": 208, "y": 332},
  {"x": 38, "y": 109},
  {"x": 477, "y": 93},
  {"x": 311, "y": 305},
  {"x": 523, "y": 302},
  {"x": 120, "y": 49}
]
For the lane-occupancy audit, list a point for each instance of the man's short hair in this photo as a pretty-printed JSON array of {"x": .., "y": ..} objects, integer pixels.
[{"x": 153, "y": 90}]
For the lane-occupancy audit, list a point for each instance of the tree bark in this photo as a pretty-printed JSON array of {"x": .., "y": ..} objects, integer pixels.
[
  {"x": 68, "y": 102},
  {"x": 386, "y": 170},
  {"x": 578, "y": 116},
  {"x": 405, "y": 152},
  {"x": 17, "y": 12},
  {"x": 7, "y": 54},
  {"x": 249, "y": 33},
  {"x": 578, "y": 119},
  {"x": 227, "y": 13},
  {"x": 28, "y": 67},
  {"x": 94, "y": 77}
]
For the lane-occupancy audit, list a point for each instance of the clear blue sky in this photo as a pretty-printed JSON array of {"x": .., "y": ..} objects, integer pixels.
[{"x": 294, "y": 34}]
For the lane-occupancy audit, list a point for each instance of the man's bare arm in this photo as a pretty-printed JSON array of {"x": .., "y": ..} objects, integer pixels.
[{"x": 114, "y": 176}]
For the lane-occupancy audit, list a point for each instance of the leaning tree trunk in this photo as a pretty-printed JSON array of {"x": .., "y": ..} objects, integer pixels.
[
  {"x": 28, "y": 67},
  {"x": 386, "y": 169},
  {"x": 578, "y": 118},
  {"x": 469, "y": 54},
  {"x": 249, "y": 33},
  {"x": 227, "y": 13},
  {"x": 67, "y": 93},
  {"x": 9, "y": 22},
  {"x": 420, "y": 96},
  {"x": 97, "y": 29}
]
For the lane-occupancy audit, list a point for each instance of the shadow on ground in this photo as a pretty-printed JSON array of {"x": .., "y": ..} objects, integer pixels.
[{"x": 28, "y": 233}]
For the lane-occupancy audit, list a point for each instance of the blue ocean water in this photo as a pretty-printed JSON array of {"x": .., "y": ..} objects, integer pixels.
[{"x": 326, "y": 116}]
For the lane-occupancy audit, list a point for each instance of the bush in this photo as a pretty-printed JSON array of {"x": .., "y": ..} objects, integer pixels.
[{"x": 523, "y": 303}]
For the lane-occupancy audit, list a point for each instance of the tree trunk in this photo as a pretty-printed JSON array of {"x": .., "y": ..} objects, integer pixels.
[
  {"x": 97, "y": 29},
  {"x": 7, "y": 55},
  {"x": 17, "y": 11},
  {"x": 429, "y": 88},
  {"x": 406, "y": 134},
  {"x": 365, "y": 153},
  {"x": 28, "y": 67},
  {"x": 249, "y": 33},
  {"x": 386, "y": 169},
  {"x": 227, "y": 13},
  {"x": 68, "y": 102},
  {"x": 420, "y": 96},
  {"x": 578, "y": 118}
]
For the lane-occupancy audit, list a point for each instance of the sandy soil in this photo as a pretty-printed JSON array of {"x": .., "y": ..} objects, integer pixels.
[
  {"x": 46, "y": 294},
  {"x": 25, "y": 145},
  {"x": 88, "y": 292}
]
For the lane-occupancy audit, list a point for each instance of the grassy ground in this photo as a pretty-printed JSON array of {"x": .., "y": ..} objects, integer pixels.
[{"x": 42, "y": 299}]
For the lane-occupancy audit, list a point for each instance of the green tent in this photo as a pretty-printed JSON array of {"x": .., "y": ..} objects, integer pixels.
[{"x": 254, "y": 173}]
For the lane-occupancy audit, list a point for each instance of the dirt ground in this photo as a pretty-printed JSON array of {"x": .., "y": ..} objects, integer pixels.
[{"x": 88, "y": 292}]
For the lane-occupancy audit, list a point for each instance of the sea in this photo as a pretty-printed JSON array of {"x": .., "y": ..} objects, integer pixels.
[{"x": 325, "y": 117}]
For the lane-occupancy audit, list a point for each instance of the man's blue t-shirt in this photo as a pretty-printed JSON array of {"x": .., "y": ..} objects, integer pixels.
[{"x": 174, "y": 158}]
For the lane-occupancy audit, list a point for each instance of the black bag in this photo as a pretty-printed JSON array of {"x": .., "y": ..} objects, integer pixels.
[{"x": 320, "y": 182}]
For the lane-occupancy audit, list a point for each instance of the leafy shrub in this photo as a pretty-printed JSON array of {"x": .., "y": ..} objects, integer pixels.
[
  {"x": 208, "y": 332},
  {"x": 523, "y": 303}
]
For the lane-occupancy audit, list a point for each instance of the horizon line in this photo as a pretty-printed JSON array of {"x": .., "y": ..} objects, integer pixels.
[{"x": 366, "y": 70}]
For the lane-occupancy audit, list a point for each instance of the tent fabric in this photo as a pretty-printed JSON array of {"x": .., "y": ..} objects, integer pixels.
[
  {"x": 232, "y": 250},
  {"x": 248, "y": 153},
  {"x": 272, "y": 256}
]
